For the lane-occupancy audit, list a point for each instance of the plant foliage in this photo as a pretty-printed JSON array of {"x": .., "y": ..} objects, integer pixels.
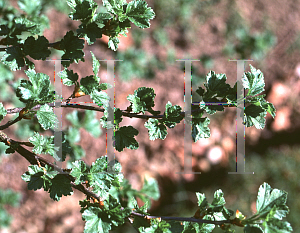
[{"x": 110, "y": 200}]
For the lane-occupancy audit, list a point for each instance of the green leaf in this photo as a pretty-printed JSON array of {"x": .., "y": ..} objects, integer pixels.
[
  {"x": 83, "y": 10},
  {"x": 200, "y": 128},
  {"x": 68, "y": 76},
  {"x": 202, "y": 202},
  {"x": 14, "y": 58},
  {"x": 216, "y": 85},
  {"x": 76, "y": 153},
  {"x": 91, "y": 124},
  {"x": 142, "y": 100},
  {"x": 172, "y": 115},
  {"x": 38, "y": 177},
  {"x": 37, "y": 49},
  {"x": 31, "y": 7},
  {"x": 156, "y": 226},
  {"x": 3, "y": 112},
  {"x": 277, "y": 226},
  {"x": 200, "y": 91},
  {"x": 114, "y": 6},
  {"x": 101, "y": 98},
  {"x": 46, "y": 117},
  {"x": 24, "y": 25},
  {"x": 102, "y": 18},
  {"x": 73, "y": 134},
  {"x": 93, "y": 222},
  {"x": 36, "y": 90},
  {"x": 267, "y": 198},
  {"x": 73, "y": 48},
  {"x": 96, "y": 67},
  {"x": 255, "y": 115},
  {"x": 156, "y": 130},
  {"x": 108, "y": 218},
  {"x": 139, "y": 14},
  {"x": 253, "y": 81},
  {"x": 44, "y": 145},
  {"x": 34, "y": 177},
  {"x": 88, "y": 84},
  {"x": 218, "y": 198},
  {"x": 60, "y": 186},
  {"x": 113, "y": 43},
  {"x": 124, "y": 138},
  {"x": 100, "y": 179},
  {"x": 79, "y": 171},
  {"x": 117, "y": 118},
  {"x": 269, "y": 107},
  {"x": 90, "y": 32},
  {"x": 150, "y": 188}
]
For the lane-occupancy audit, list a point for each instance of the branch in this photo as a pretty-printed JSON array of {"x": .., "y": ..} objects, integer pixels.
[
  {"x": 192, "y": 219},
  {"x": 79, "y": 106},
  {"x": 38, "y": 160}
]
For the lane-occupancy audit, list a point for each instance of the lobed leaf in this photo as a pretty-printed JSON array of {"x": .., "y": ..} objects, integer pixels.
[
  {"x": 124, "y": 138},
  {"x": 46, "y": 117},
  {"x": 156, "y": 130},
  {"x": 253, "y": 81}
]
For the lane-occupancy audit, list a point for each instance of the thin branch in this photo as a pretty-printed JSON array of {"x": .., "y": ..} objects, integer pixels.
[
  {"x": 38, "y": 160},
  {"x": 79, "y": 106},
  {"x": 182, "y": 219},
  {"x": 9, "y": 123}
]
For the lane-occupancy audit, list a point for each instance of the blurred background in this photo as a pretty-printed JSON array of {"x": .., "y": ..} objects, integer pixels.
[{"x": 214, "y": 31}]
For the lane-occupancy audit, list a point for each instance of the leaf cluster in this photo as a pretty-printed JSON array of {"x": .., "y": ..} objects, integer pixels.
[{"x": 110, "y": 200}]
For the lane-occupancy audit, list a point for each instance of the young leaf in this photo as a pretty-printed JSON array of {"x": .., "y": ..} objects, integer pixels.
[
  {"x": 101, "y": 98},
  {"x": 139, "y": 14},
  {"x": 36, "y": 90},
  {"x": 96, "y": 67},
  {"x": 105, "y": 219},
  {"x": 142, "y": 100},
  {"x": 68, "y": 76},
  {"x": 253, "y": 81},
  {"x": 200, "y": 128},
  {"x": 44, "y": 145},
  {"x": 38, "y": 178},
  {"x": 46, "y": 117},
  {"x": 155, "y": 129},
  {"x": 172, "y": 115},
  {"x": 100, "y": 179},
  {"x": 79, "y": 171}
]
